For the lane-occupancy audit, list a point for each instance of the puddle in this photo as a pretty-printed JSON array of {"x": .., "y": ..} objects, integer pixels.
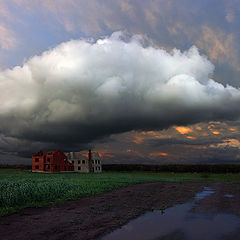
[
  {"x": 206, "y": 192},
  {"x": 229, "y": 195},
  {"x": 178, "y": 223}
]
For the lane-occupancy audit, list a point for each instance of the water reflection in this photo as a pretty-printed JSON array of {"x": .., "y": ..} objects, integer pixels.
[
  {"x": 206, "y": 192},
  {"x": 229, "y": 195},
  {"x": 178, "y": 223}
]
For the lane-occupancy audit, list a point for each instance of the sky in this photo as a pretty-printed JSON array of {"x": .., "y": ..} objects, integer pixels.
[{"x": 143, "y": 82}]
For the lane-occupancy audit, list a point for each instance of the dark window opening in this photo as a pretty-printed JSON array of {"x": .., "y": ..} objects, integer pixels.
[
  {"x": 79, "y": 162},
  {"x": 65, "y": 168},
  {"x": 36, "y": 159},
  {"x": 55, "y": 167},
  {"x": 83, "y": 161},
  {"x": 48, "y": 166},
  {"x": 36, "y": 167},
  {"x": 49, "y": 159},
  {"x": 79, "y": 168},
  {"x": 72, "y": 161}
]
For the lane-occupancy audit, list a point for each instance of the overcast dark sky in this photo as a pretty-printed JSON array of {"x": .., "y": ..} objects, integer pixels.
[{"x": 139, "y": 81}]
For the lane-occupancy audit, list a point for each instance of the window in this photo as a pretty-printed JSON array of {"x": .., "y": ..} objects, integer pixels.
[
  {"x": 65, "y": 168},
  {"x": 96, "y": 161},
  {"x": 93, "y": 161},
  {"x": 36, "y": 159},
  {"x": 55, "y": 167},
  {"x": 99, "y": 168},
  {"x": 83, "y": 161},
  {"x": 96, "y": 168},
  {"x": 79, "y": 168},
  {"x": 48, "y": 166},
  {"x": 49, "y": 159},
  {"x": 79, "y": 162},
  {"x": 37, "y": 167},
  {"x": 72, "y": 161}
]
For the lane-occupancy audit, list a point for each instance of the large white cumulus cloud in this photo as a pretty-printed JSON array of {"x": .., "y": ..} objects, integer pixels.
[{"x": 82, "y": 90}]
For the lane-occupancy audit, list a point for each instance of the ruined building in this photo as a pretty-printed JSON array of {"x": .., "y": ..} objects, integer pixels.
[
  {"x": 57, "y": 161},
  {"x": 85, "y": 162},
  {"x": 53, "y": 161}
]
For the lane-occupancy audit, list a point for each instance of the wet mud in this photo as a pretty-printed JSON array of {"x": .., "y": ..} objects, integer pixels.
[{"x": 95, "y": 217}]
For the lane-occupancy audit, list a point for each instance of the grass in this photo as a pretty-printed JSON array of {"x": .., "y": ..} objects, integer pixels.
[{"x": 20, "y": 189}]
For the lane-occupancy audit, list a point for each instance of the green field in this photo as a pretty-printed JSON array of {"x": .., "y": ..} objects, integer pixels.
[{"x": 20, "y": 189}]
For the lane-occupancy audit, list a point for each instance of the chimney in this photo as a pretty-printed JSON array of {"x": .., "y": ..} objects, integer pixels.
[{"x": 90, "y": 160}]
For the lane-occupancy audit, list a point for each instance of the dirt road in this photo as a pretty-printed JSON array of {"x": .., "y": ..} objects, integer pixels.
[{"x": 89, "y": 218}]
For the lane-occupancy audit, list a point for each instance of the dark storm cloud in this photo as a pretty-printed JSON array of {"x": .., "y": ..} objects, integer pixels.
[
  {"x": 213, "y": 155},
  {"x": 25, "y": 148},
  {"x": 197, "y": 154},
  {"x": 84, "y": 90},
  {"x": 173, "y": 141}
]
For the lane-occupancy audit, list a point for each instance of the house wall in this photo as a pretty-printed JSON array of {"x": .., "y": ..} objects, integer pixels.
[
  {"x": 96, "y": 163},
  {"x": 80, "y": 165},
  {"x": 38, "y": 161},
  {"x": 81, "y": 162},
  {"x": 57, "y": 161},
  {"x": 53, "y": 161}
]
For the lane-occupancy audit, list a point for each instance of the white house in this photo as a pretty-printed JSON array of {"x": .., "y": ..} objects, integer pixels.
[{"x": 85, "y": 162}]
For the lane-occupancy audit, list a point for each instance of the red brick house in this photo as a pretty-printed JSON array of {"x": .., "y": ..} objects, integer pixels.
[{"x": 53, "y": 161}]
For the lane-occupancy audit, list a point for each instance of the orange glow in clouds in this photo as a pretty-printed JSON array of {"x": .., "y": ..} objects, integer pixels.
[
  {"x": 158, "y": 154},
  {"x": 228, "y": 142},
  {"x": 105, "y": 153},
  {"x": 155, "y": 134},
  {"x": 234, "y": 130},
  {"x": 138, "y": 140},
  {"x": 131, "y": 151},
  {"x": 183, "y": 130},
  {"x": 216, "y": 132},
  {"x": 189, "y": 137},
  {"x": 198, "y": 128}
]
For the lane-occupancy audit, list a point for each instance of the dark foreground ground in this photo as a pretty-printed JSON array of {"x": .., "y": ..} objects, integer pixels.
[{"x": 89, "y": 218}]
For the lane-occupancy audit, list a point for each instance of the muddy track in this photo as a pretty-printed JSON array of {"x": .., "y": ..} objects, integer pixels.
[{"x": 91, "y": 217}]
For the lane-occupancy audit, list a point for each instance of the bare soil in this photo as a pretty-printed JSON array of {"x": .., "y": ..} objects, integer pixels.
[{"x": 92, "y": 217}]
